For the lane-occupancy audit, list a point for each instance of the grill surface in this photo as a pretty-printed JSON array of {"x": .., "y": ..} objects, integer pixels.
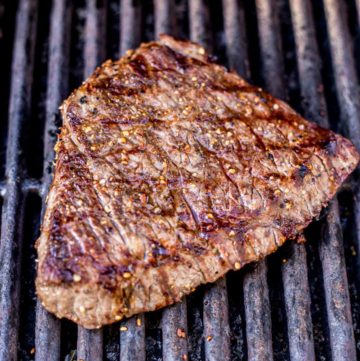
[{"x": 301, "y": 303}]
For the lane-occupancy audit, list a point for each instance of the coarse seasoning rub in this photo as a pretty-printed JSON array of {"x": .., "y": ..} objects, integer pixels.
[{"x": 170, "y": 171}]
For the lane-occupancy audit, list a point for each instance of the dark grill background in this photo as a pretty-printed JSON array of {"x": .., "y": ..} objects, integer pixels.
[{"x": 301, "y": 303}]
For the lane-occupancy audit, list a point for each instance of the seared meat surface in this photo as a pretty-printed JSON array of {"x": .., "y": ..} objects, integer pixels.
[{"x": 171, "y": 171}]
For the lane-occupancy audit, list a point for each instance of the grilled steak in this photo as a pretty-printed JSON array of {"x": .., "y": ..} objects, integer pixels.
[{"x": 170, "y": 171}]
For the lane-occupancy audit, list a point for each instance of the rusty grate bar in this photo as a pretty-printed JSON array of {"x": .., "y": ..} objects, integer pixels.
[{"x": 10, "y": 246}]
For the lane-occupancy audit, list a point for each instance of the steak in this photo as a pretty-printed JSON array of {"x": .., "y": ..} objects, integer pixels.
[{"x": 170, "y": 171}]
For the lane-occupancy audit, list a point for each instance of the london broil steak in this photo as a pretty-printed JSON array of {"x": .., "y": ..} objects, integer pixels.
[{"x": 171, "y": 171}]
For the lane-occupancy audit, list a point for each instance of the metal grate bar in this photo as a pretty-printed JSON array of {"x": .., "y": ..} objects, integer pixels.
[
  {"x": 132, "y": 339},
  {"x": 308, "y": 62},
  {"x": 346, "y": 84},
  {"x": 198, "y": 18},
  {"x": 95, "y": 35},
  {"x": 31, "y": 185},
  {"x": 295, "y": 280},
  {"x": 215, "y": 305},
  {"x": 216, "y": 322},
  {"x": 174, "y": 318},
  {"x": 90, "y": 342},
  {"x": 357, "y": 2},
  {"x": 270, "y": 47},
  {"x": 10, "y": 246},
  {"x": 256, "y": 292},
  {"x": 130, "y": 25},
  {"x": 2, "y": 189},
  {"x": 47, "y": 328},
  {"x": 297, "y": 304},
  {"x": 28, "y": 185},
  {"x": 256, "y": 295},
  {"x": 236, "y": 49},
  {"x": 257, "y": 314},
  {"x": 331, "y": 247},
  {"x": 301, "y": 343},
  {"x": 163, "y": 17},
  {"x": 174, "y": 322},
  {"x": 337, "y": 302},
  {"x": 344, "y": 68}
]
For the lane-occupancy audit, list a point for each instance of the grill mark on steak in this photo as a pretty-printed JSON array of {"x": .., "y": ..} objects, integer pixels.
[
  {"x": 166, "y": 156},
  {"x": 116, "y": 226},
  {"x": 170, "y": 171}
]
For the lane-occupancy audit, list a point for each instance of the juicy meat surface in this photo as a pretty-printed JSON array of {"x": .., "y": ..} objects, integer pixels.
[{"x": 171, "y": 171}]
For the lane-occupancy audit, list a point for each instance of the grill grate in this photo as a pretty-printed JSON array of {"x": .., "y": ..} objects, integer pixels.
[{"x": 301, "y": 303}]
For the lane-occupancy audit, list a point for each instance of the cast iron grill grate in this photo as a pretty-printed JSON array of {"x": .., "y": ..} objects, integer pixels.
[{"x": 301, "y": 303}]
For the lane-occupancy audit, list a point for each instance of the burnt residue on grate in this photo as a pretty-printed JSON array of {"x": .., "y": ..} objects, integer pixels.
[{"x": 302, "y": 303}]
